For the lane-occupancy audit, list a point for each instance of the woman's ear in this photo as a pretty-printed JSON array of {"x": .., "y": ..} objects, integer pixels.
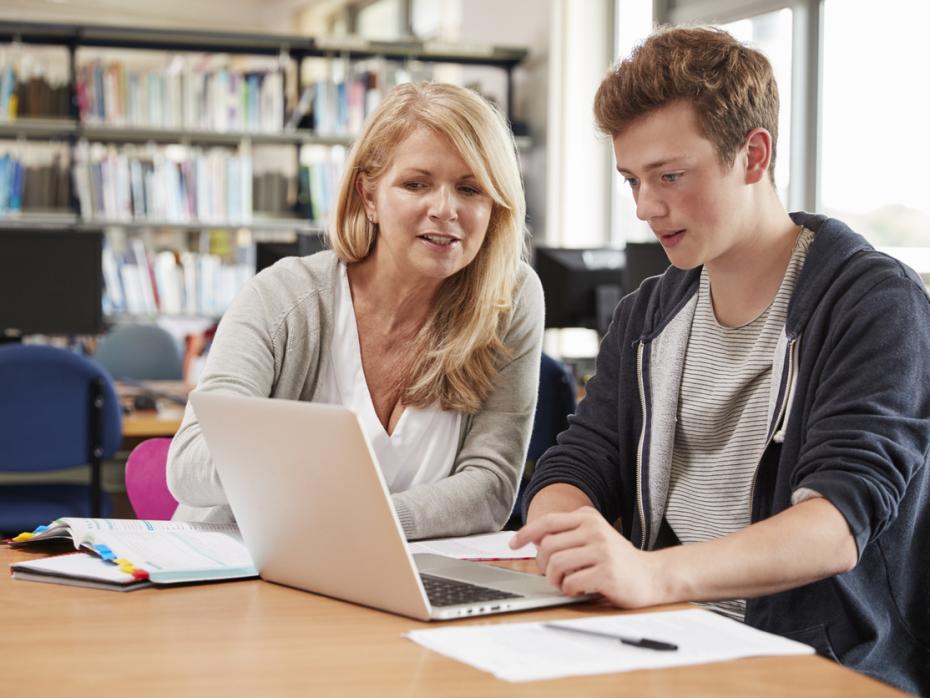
[
  {"x": 758, "y": 155},
  {"x": 367, "y": 199}
]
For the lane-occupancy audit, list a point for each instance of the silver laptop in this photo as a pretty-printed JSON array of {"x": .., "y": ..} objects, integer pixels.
[{"x": 315, "y": 514}]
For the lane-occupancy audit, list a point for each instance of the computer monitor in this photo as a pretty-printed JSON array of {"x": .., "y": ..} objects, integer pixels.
[
  {"x": 267, "y": 252},
  {"x": 581, "y": 286},
  {"x": 51, "y": 282},
  {"x": 643, "y": 259}
]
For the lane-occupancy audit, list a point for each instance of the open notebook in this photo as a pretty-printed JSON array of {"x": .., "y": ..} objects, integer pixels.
[{"x": 128, "y": 553}]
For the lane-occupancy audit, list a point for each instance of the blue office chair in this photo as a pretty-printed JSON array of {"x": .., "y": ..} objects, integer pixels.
[
  {"x": 139, "y": 352},
  {"x": 556, "y": 402},
  {"x": 57, "y": 410}
]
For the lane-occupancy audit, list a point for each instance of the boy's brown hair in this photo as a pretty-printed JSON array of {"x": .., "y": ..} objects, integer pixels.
[{"x": 731, "y": 86}]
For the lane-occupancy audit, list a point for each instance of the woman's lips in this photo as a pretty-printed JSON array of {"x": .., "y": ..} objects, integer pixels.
[{"x": 439, "y": 241}]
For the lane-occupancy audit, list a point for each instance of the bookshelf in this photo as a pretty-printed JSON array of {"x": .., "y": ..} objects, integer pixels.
[{"x": 168, "y": 140}]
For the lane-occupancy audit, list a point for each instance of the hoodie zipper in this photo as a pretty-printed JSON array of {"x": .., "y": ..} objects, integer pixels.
[
  {"x": 777, "y": 424},
  {"x": 639, "y": 449}
]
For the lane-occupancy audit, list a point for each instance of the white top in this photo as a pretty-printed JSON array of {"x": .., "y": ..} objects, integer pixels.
[
  {"x": 423, "y": 446},
  {"x": 722, "y": 426}
]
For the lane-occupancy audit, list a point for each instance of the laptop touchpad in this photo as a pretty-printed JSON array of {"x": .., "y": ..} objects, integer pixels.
[{"x": 487, "y": 575}]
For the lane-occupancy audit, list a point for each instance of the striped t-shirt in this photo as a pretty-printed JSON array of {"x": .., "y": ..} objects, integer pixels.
[{"x": 722, "y": 420}]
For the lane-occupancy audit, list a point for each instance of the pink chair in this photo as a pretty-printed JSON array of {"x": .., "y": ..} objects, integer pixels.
[{"x": 146, "y": 485}]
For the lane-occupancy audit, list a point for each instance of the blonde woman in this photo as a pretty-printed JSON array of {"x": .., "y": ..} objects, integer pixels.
[{"x": 423, "y": 319}]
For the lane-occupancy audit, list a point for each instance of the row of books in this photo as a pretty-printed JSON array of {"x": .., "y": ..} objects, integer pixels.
[
  {"x": 182, "y": 184},
  {"x": 311, "y": 194},
  {"x": 171, "y": 183},
  {"x": 26, "y": 90},
  {"x": 47, "y": 187},
  {"x": 34, "y": 98},
  {"x": 28, "y": 185},
  {"x": 184, "y": 96},
  {"x": 340, "y": 108},
  {"x": 11, "y": 184},
  {"x": 142, "y": 282},
  {"x": 166, "y": 192},
  {"x": 339, "y": 95},
  {"x": 317, "y": 186}
]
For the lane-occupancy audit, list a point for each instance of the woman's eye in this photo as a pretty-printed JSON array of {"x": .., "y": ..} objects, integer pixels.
[
  {"x": 414, "y": 186},
  {"x": 469, "y": 190}
]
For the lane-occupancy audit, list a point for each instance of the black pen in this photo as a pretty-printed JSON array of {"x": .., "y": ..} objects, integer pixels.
[{"x": 643, "y": 642}]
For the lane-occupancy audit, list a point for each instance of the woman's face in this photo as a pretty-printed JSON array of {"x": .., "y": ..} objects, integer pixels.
[{"x": 432, "y": 214}]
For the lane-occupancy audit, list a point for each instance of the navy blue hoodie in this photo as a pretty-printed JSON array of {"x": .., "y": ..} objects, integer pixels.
[{"x": 850, "y": 419}]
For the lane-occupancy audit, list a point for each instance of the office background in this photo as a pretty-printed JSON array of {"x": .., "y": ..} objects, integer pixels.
[{"x": 851, "y": 140}]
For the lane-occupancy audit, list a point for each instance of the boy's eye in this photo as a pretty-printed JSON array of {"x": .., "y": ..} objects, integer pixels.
[
  {"x": 631, "y": 181},
  {"x": 672, "y": 177}
]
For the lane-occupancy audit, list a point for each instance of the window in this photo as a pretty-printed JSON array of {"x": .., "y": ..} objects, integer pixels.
[
  {"x": 874, "y": 148},
  {"x": 771, "y": 34},
  {"x": 633, "y": 22}
]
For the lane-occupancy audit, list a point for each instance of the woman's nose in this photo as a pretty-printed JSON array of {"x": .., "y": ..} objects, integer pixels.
[{"x": 443, "y": 204}]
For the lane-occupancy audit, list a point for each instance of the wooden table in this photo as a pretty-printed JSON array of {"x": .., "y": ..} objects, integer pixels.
[
  {"x": 253, "y": 638},
  {"x": 139, "y": 425},
  {"x": 147, "y": 424}
]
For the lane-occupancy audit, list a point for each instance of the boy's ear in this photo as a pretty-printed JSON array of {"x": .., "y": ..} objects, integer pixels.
[{"x": 758, "y": 154}]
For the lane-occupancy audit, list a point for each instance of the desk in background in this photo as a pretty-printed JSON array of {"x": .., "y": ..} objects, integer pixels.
[
  {"x": 163, "y": 421},
  {"x": 252, "y": 638}
]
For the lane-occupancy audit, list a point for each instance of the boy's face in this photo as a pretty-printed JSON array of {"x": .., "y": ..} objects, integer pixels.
[{"x": 698, "y": 209}]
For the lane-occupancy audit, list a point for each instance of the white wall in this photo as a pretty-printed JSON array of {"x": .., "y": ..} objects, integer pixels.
[
  {"x": 567, "y": 169},
  {"x": 578, "y": 178},
  {"x": 522, "y": 23},
  {"x": 230, "y": 15}
]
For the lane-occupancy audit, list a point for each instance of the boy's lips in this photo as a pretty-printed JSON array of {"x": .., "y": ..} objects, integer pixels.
[{"x": 670, "y": 237}]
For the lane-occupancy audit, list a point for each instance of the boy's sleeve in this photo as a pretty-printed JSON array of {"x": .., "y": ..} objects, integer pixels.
[
  {"x": 587, "y": 453},
  {"x": 868, "y": 428}
]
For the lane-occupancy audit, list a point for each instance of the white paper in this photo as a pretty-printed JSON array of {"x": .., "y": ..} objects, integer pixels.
[
  {"x": 531, "y": 652},
  {"x": 487, "y": 546},
  {"x": 86, "y": 530},
  {"x": 80, "y": 565}
]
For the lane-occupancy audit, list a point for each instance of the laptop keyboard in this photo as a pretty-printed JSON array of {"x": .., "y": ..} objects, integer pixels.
[{"x": 451, "y": 592}]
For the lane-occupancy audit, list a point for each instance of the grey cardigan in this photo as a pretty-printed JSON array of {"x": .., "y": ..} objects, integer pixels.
[{"x": 271, "y": 342}]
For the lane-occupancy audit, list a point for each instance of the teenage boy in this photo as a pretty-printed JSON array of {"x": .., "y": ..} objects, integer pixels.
[{"x": 759, "y": 423}]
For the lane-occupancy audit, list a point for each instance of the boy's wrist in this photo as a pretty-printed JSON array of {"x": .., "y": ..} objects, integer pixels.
[
  {"x": 558, "y": 497},
  {"x": 670, "y": 571}
]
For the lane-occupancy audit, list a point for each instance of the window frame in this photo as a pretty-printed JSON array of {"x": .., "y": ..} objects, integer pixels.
[{"x": 806, "y": 78}]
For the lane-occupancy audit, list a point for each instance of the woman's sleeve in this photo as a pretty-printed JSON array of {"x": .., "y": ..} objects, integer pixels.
[
  {"x": 480, "y": 493},
  {"x": 240, "y": 362}
]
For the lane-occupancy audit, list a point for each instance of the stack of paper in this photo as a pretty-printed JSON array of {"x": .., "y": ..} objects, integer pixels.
[{"x": 531, "y": 651}]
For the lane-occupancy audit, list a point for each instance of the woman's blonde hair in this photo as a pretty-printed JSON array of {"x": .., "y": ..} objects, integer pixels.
[{"x": 461, "y": 343}]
